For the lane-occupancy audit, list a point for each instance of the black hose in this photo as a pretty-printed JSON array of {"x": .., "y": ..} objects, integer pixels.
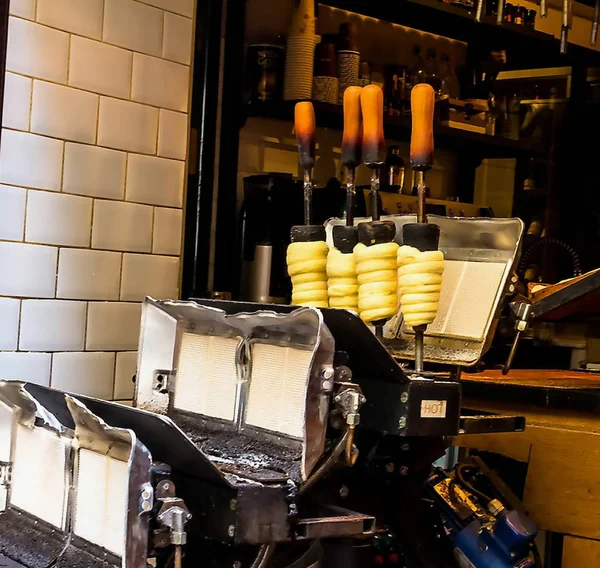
[
  {"x": 459, "y": 474},
  {"x": 543, "y": 241}
]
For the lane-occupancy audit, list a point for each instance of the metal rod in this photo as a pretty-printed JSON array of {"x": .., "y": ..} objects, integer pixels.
[
  {"x": 421, "y": 193},
  {"x": 178, "y": 557},
  {"x": 543, "y": 9},
  {"x": 375, "y": 193},
  {"x": 595, "y": 22},
  {"x": 308, "y": 187},
  {"x": 500, "y": 14},
  {"x": 419, "y": 341},
  {"x": 351, "y": 196},
  {"x": 479, "y": 11},
  {"x": 566, "y": 23}
]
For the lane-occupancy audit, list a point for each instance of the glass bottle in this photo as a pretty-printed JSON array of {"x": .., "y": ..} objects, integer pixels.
[
  {"x": 416, "y": 70},
  {"x": 450, "y": 85},
  {"x": 395, "y": 170},
  {"x": 432, "y": 71}
]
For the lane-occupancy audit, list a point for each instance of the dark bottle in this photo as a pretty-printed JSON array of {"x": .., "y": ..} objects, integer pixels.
[
  {"x": 450, "y": 86},
  {"x": 395, "y": 170},
  {"x": 416, "y": 70},
  {"x": 432, "y": 71}
]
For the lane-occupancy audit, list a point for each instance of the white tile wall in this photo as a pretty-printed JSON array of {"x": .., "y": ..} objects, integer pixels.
[
  {"x": 149, "y": 275},
  {"x": 125, "y": 370},
  {"x": 156, "y": 181},
  {"x": 100, "y": 67},
  {"x": 160, "y": 83},
  {"x": 30, "y": 160},
  {"x": 37, "y": 50},
  {"x": 167, "y": 231},
  {"x": 82, "y": 132},
  {"x": 17, "y": 102},
  {"x": 30, "y": 367},
  {"x": 90, "y": 374},
  {"x": 52, "y": 325},
  {"x": 62, "y": 112},
  {"x": 12, "y": 212},
  {"x": 113, "y": 326},
  {"x": 172, "y": 135},
  {"x": 28, "y": 270},
  {"x": 88, "y": 275},
  {"x": 83, "y": 17},
  {"x": 9, "y": 323},
  {"x": 127, "y": 126},
  {"x": 122, "y": 226},
  {"x": 94, "y": 171},
  {"x": 133, "y": 25},
  {"x": 184, "y": 7},
  {"x": 58, "y": 219},
  {"x": 178, "y": 38},
  {"x": 23, "y": 8}
]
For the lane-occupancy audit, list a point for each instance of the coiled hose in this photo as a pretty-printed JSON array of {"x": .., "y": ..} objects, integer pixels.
[{"x": 543, "y": 241}]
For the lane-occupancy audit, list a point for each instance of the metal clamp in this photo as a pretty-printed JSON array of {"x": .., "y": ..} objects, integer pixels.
[
  {"x": 174, "y": 514},
  {"x": 349, "y": 398}
]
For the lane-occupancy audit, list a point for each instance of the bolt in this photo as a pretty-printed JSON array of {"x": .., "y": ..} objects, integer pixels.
[
  {"x": 405, "y": 447},
  {"x": 231, "y": 531},
  {"x": 145, "y": 494},
  {"x": 233, "y": 505},
  {"x": 404, "y": 398},
  {"x": 165, "y": 486},
  {"x": 404, "y": 470},
  {"x": 237, "y": 564},
  {"x": 511, "y": 288},
  {"x": 145, "y": 506},
  {"x": 327, "y": 385},
  {"x": 390, "y": 467},
  {"x": 402, "y": 423},
  {"x": 483, "y": 547},
  {"x": 344, "y": 491},
  {"x": 328, "y": 373}
]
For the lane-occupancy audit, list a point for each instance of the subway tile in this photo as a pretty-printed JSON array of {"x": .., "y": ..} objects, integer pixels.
[
  {"x": 52, "y": 325},
  {"x": 58, "y": 219},
  {"x": 83, "y": 17},
  {"x": 183, "y": 7},
  {"x": 100, "y": 67},
  {"x": 9, "y": 324},
  {"x": 177, "y": 43},
  {"x": 12, "y": 212},
  {"x": 17, "y": 102},
  {"x": 133, "y": 25},
  {"x": 90, "y": 374},
  {"x": 94, "y": 171},
  {"x": 122, "y": 226},
  {"x": 125, "y": 370},
  {"x": 30, "y": 367},
  {"x": 172, "y": 135},
  {"x": 22, "y": 8},
  {"x": 160, "y": 83},
  {"x": 30, "y": 161},
  {"x": 27, "y": 270},
  {"x": 155, "y": 180},
  {"x": 167, "y": 231},
  {"x": 37, "y": 50},
  {"x": 113, "y": 326},
  {"x": 127, "y": 126},
  {"x": 149, "y": 275},
  {"x": 88, "y": 274},
  {"x": 64, "y": 113}
]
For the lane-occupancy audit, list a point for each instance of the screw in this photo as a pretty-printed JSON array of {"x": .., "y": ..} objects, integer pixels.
[
  {"x": 231, "y": 531},
  {"x": 233, "y": 505},
  {"x": 405, "y": 447},
  {"x": 402, "y": 423},
  {"x": 145, "y": 494},
  {"x": 165, "y": 486},
  {"x": 390, "y": 467},
  {"x": 145, "y": 506},
  {"x": 237, "y": 564},
  {"x": 327, "y": 385},
  {"x": 404, "y": 398},
  {"x": 328, "y": 373},
  {"x": 344, "y": 491},
  {"x": 404, "y": 470},
  {"x": 483, "y": 547}
]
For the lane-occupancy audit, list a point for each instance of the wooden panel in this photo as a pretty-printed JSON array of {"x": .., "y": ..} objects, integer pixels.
[
  {"x": 580, "y": 552},
  {"x": 562, "y": 491}
]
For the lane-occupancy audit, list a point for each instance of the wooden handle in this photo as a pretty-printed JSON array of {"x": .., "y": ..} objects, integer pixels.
[
  {"x": 422, "y": 101},
  {"x": 305, "y": 133},
  {"x": 352, "y": 140},
  {"x": 371, "y": 101}
]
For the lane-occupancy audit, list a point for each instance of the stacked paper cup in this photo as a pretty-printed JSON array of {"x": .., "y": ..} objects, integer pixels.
[{"x": 299, "y": 61}]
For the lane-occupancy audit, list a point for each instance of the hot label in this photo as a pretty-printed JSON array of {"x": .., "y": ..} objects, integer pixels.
[{"x": 433, "y": 409}]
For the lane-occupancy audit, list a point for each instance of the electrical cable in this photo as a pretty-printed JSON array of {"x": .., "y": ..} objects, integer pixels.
[
  {"x": 459, "y": 474},
  {"x": 264, "y": 555}
]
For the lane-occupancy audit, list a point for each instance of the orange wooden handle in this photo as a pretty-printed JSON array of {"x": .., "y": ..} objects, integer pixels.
[
  {"x": 304, "y": 115},
  {"x": 422, "y": 101},
  {"x": 371, "y": 101},
  {"x": 352, "y": 139}
]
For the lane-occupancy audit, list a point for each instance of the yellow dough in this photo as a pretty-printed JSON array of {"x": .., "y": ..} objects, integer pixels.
[
  {"x": 420, "y": 277},
  {"x": 306, "y": 265},
  {"x": 377, "y": 278},
  {"x": 342, "y": 286}
]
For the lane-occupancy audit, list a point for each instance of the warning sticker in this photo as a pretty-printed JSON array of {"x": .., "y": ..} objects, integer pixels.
[{"x": 433, "y": 409}]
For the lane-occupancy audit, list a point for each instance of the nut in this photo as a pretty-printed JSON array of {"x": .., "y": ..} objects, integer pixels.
[
  {"x": 404, "y": 397},
  {"x": 404, "y": 470},
  {"x": 231, "y": 531},
  {"x": 402, "y": 423},
  {"x": 353, "y": 419},
  {"x": 344, "y": 491},
  {"x": 232, "y": 505},
  {"x": 328, "y": 373},
  {"x": 390, "y": 467}
]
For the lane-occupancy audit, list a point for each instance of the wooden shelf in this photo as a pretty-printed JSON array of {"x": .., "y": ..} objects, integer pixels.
[{"x": 476, "y": 145}]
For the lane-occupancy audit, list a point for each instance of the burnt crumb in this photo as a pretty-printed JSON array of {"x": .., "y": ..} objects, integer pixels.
[{"x": 237, "y": 454}]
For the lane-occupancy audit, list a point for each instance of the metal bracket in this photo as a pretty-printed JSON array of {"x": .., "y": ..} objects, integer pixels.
[
  {"x": 160, "y": 381},
  {"x": 5, "y": 474},
  {"x": 173, "y": 513}
]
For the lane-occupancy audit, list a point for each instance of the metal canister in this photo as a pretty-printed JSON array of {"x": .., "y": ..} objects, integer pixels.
[{"x": 265, "y": 72}]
